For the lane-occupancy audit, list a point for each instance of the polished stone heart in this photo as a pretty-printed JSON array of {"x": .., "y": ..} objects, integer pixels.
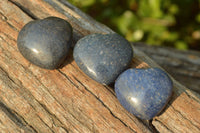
[
  {"x": 143, "y": 92},
  {"x": 45, "y": 42},
  {"x": 103, "y": 56}
]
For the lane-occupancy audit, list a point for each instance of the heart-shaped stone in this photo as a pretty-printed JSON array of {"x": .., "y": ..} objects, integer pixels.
[
  {"x": 143, "y": 92},
  {"x": 103, "y": 56},
  {"x": 45, "y": 42}
]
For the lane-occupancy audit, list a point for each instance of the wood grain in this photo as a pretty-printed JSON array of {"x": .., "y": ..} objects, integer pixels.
[{"x": 66, "y": 100}]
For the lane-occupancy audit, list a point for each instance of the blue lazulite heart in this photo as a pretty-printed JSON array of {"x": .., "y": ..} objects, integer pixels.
[
  {"x": 103, "y": 57},
  {"x": 45, "y": 42},
  {"x": 143, "y": 92}
]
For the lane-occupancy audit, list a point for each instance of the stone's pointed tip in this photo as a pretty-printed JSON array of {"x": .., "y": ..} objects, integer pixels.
[{"x": 45, "y": 42}]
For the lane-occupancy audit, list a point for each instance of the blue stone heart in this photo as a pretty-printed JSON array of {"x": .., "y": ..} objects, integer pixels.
[
  {"x": 143, "y": 92},
  {"x": 45, "y": 42},
  {"x": 103, "y": 57}
]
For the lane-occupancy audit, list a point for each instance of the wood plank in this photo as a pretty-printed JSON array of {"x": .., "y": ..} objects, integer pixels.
[
  {"x": 184, "y": 66},
  {"x": 66, "y": 100},
  {"x": 55, "y": 99}
]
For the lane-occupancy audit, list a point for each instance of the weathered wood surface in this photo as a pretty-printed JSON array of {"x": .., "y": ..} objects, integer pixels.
[
  {"x": 184, "y": 66},
  {"x": 66, "y": 100}
]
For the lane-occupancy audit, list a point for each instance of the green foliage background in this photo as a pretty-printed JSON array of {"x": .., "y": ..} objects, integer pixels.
[{"x": 174, "y": 23}]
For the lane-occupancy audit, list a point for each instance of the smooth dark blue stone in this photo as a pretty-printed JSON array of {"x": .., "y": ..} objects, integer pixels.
[
  {"x": 103, "y": 56},
  {"x": 143, "y": 92},
  {"x": 45, "y": 42}
]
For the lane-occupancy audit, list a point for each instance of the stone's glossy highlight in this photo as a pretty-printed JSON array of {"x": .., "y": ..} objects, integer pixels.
[
  {"x": 45, "y": 42},
  {"x": 143, "y": 92},
  {"x": 103, "y": 56}
]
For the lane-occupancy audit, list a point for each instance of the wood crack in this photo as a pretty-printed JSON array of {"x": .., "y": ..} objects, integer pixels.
[
  {"x": 185, "y": 117},
  {"x": 111, "y": 90},
  {"x": 77, "y": 88},
  {"x": 17, "y": 119},
  {"x": 104, "y": 105},
  {"x": 68, "y": 78},
  {"x": 77, "y": 119},
  {"x": 9, "y": 37},
  {"x": 4, "y": 18},
  {"x": 46, "y": 124},
  {"x": 13, "y": 27},
  {"x": 58, "y": 103},
  {"x": 191, "y": 97},
  {"x": 25, "y": 10},
  {"x": 162, "y": 125},
  {"x": 27, "y": 95},
  {"x": 54, "y": 118}
]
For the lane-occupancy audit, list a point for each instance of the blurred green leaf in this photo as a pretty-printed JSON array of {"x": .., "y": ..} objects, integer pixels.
[
  {"x": 157, "y": 22},
  {"x": 198, "y": 18},
  {"x": 126, "y": 21},
  {"x": 181, "y": 45},
  {"x": 150, "y": 8},
  {"x": 173, "y": 9}
]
